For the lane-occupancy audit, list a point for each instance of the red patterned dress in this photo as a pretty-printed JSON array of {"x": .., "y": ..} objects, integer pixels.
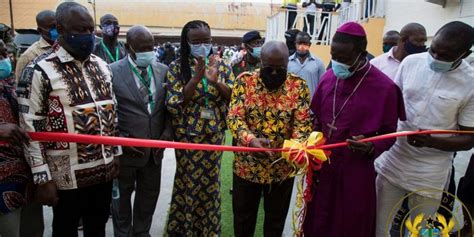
[{"x": 15, "y": 175}]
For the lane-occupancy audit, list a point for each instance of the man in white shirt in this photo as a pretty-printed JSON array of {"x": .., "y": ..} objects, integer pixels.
[
  {"x": 412, "y": 40},
  {"x": 438, "y": 90}
]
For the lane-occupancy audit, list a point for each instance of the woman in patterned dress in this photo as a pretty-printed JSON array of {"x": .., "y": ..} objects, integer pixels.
[
  {"x": 16, "y": 182},
  {"x": 199, "y": 89}
]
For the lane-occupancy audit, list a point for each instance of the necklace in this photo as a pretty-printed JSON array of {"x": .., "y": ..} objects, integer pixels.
[{"x": 332, "y": 126}]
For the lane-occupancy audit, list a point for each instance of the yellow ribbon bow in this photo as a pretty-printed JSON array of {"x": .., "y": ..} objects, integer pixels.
[
  {"x": 305, "y": 158},
  {"x": 300, "y": 154}
]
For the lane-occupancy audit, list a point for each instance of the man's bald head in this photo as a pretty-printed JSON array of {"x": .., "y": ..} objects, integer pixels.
[
  {"x": 412, "y": 29},
  {"x": 274, "y": 53},
  {"x": 44, "y": 18},
  {"x": 138, "y": 33},
  {"x": 73, "y": 21},
  {"x": 459, "y": 34},
  {"x": 139, "y": 39},
  {"x": 67, "y": 12},
  {"x": 391, "y": 37},
  {"x": 108, "y": 19},
  {"x": 46, "y": 22},
  {"x": 413, "y": 40}
]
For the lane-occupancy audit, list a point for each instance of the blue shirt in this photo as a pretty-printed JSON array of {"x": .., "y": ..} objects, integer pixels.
[{"x": 310, "y": 70}]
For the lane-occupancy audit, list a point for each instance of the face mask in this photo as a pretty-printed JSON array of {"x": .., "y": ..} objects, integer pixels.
[
  {"x": 144, "y": 59},
  {"x": 5, "y": 68},
  {"x": 200, "y": 50},
  {"x": 413, "y": 49},
  {"x": 387, "y": 47},
  {"x": 341, "y": 70},
  {"x": 53, "y": 34},
  {"x": 256, "y": 52},
  {"x": 110, "y": 30},
  {"x": 273, "y": 81},
  {"x": 81, "y": 45},
  {"x": 441, "y": 66}
]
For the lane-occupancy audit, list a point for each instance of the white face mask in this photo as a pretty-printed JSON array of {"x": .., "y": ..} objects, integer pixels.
[
  {"x": 200, "y": 50},
  {"x": 441, "y": 66},
  {"x": 144, "y": 58},
  {"x": 341, "y": 70}
]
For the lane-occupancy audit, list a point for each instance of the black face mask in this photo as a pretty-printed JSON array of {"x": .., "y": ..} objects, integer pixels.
[
  {"x": 273, "y": 81},
  {"x": 82, "y": 45},
  {"x": 413, "y": 49}
]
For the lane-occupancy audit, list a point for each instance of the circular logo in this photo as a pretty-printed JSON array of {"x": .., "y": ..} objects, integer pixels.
[{"x": 421, "y": 214}]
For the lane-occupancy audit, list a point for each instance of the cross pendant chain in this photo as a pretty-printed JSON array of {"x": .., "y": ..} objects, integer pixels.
[{"x": 331, "y": 127}]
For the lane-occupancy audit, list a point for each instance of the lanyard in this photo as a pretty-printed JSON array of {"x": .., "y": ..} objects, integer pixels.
[
  {"x": 151, "y": 102},
  {"x": 205, "y": 86},
  {"x": 110, "y": 54}
]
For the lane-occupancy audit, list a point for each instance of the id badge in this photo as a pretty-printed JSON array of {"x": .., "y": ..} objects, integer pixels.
[{"x": 207, "y": 114}]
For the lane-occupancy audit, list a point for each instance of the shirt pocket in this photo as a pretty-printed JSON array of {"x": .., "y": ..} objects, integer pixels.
[{"x": 444, "y": 109}]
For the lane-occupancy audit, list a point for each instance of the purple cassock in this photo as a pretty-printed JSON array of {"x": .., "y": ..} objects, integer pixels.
[{"x": 344, "y": 199}]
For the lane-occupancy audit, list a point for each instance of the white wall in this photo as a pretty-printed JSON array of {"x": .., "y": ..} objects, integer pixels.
[{"x": 401, "y": 12}]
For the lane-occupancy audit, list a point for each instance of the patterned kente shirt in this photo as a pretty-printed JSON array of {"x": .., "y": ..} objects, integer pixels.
[
  {"x": 61, "y": 94},
  {"x": 256, "y": 112},
  {"x": 187, "y": 119}
]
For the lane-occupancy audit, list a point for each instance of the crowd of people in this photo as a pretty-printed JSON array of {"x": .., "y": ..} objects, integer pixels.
[{"x": 264, "y": 93}]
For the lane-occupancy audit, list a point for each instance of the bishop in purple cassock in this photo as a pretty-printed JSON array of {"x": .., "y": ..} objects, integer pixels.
[{"x": 353, "y": 100}]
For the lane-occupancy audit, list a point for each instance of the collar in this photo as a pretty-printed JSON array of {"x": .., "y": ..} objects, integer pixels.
[
  {"x": 390, "y": 54},
  {"x": 42, "y": 43},
  {"x": 63, "y": 55},
  {"x": 294, "y": 57},
  {"x": 130, "y": 60}
]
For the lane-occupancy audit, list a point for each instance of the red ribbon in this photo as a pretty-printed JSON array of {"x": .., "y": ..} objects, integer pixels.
[{"x": 135, "y": 142}]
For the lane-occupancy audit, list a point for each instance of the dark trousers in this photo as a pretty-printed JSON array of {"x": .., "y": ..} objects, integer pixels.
[
  {"x": 246, "y": 199},
  {"x": 291, "y": 17},
  {"x": 145, "y": 181},
  {"x": 324, "y": 24},
  {"x": 311, "y": 22},
  {"x": 466, "y": 184},
  {"x": 92, "y": 204}
]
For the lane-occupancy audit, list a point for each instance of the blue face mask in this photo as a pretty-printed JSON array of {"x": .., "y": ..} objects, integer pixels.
[
  {"x": 256, "y": 52},
  {"x": 441, "y": 66},
  {"x": 341, "y": 70},
  {"x": 82, "y": 45},
  {"x": 53, "y": 34},
  {"x": 5, "y": 68},
  {"x": 144, "y": 58},
  {"x": 200, "y": 50}
]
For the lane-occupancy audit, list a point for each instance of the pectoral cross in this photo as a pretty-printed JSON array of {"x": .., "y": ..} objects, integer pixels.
[{"x": 331, "y": 127}]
